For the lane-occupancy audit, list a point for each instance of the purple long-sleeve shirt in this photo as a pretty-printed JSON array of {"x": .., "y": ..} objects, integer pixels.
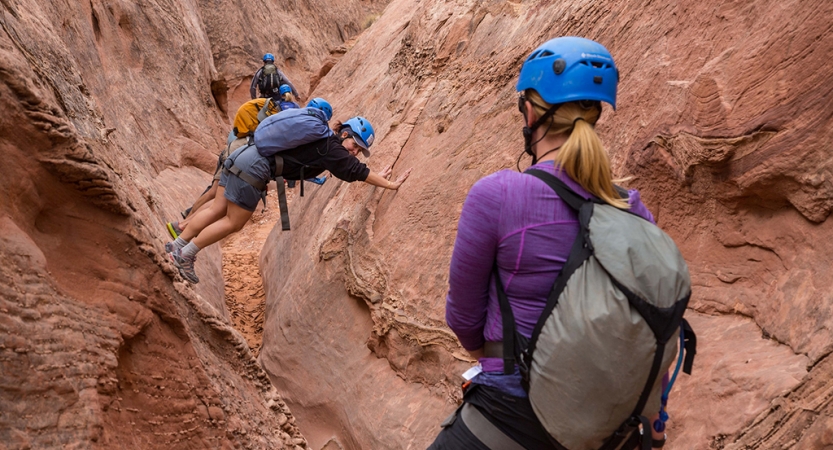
[{"x": 519, "y": 221}]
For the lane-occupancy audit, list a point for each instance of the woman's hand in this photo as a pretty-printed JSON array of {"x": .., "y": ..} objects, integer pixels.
[
  {"x": 381, "y": 178},
  {"x": 656, "y": 435},
  {"x": 401, "y": 179},
  {"x": 385, "y": 173}
]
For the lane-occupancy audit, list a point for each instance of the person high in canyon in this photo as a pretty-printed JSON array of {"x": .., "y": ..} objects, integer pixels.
[
  {"x": 268, "y": 79},
  {"x": 514, "y": 228},
  {"x": 286, "y": 100}
]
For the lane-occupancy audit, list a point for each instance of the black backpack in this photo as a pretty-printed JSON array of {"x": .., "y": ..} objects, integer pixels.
[{"x": 270, "y": 81}]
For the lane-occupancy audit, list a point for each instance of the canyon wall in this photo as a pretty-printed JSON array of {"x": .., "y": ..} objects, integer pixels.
[
  {"x": 723, "y": 126},
  {"x": 113, "y": 112}
]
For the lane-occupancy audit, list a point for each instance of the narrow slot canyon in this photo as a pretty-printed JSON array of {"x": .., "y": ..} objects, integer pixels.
[
  {"x": 333, "y": 336},
  {"x": 244, "y": 295}
]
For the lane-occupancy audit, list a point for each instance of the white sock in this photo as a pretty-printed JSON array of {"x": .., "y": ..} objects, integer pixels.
[
  {"x": 190, "y": 251},
  {"x": 180, "y": 243}
]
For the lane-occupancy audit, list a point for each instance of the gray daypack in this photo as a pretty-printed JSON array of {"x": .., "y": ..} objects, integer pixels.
[{"x": 593, "y": 367}]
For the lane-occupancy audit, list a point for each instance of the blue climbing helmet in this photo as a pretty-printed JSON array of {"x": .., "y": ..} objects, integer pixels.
[
  {"x": 268, "y": 58},
  {"x": 569, "y": 69},
  {"x": 284, "y": 89},
  {"x": 362, "y": 132},
  {"x": 323, "y": 105}
]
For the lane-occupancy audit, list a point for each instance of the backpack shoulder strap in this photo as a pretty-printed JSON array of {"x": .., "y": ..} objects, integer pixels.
[
  {"x": 513, "y": 342},
  {"x": 564, "y": 192},
  {"x": 264, "y": 112},
  {"x": 623, "y": 193},
  {"x": 516, "y": 348}
]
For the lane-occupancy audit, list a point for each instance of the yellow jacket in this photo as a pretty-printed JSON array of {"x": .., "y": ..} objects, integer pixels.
[{"x": 246, "y": 121}]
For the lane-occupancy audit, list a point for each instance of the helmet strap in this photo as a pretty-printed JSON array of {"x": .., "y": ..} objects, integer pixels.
[
  {"x": 549, "y": 151},
  {"x": 529, "y": 130}
]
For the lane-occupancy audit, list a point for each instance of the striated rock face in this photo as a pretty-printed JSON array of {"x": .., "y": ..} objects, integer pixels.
[
  {"x": 112, "y": 113},
  {"x": 722, "y": 124}
]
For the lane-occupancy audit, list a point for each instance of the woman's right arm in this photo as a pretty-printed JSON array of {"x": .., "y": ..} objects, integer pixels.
[
  {"x": 347, "y": 167},
  {"x": 472, "y": 262}
]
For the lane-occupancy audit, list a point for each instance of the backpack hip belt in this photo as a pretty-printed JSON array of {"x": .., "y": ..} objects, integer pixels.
[{"x": 490, "y": 435}]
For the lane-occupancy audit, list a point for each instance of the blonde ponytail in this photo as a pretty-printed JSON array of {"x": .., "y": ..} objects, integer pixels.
[
  {"x": 583, "y": 156},
  {"x": 288, "y": 97}
]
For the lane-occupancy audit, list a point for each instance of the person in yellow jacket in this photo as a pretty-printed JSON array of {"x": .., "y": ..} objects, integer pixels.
[{"x": 249, "y": 115}]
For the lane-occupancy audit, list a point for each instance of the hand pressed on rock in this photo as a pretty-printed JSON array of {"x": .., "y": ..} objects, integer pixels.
[
  {"x": 399, "y": 180},
  {"x": 386, "y": 172},
  {"x": 381, "y": 179}
]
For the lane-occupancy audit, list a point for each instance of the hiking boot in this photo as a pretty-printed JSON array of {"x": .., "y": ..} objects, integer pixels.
[
  {"x": 169, "y": 247},
  {"x": 173, "y": 229},
  {"x": 185, "y": 266},
  {"x": 185, "y": 213}
]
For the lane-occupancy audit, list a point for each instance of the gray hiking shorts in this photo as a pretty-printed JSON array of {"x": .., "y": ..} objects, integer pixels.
[{"x": 239, "y": 192}]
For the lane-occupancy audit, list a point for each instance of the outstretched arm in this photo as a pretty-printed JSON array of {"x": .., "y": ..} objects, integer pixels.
[{"x": 381, "y": 179}]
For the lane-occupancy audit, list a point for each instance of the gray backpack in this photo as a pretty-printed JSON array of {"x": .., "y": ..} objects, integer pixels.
[{"x": 593, "y": 367}]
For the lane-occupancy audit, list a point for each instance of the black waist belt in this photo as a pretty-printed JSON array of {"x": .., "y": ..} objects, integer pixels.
[
  {"x": 493, "y": 349},
  {"x": 490, "y": 435},
  {"x": 281, "y": 194}
]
